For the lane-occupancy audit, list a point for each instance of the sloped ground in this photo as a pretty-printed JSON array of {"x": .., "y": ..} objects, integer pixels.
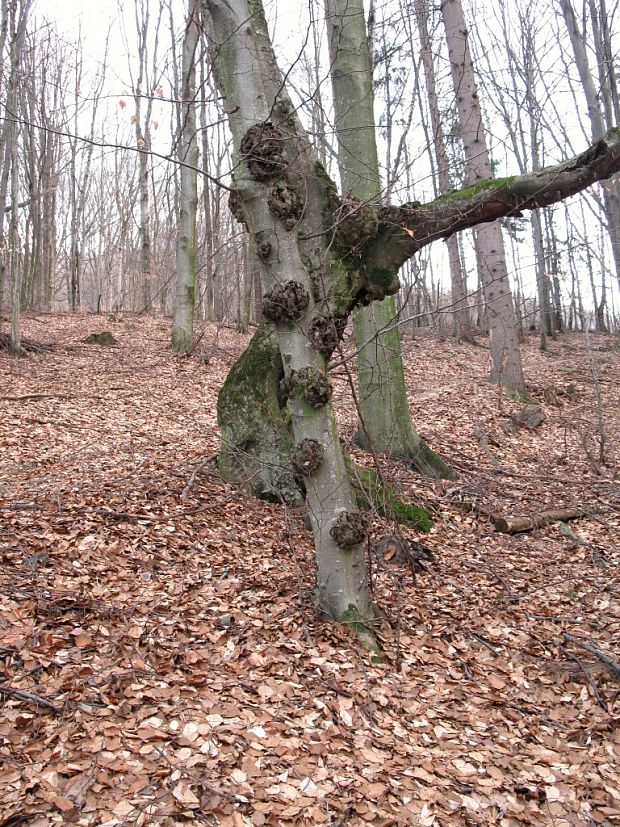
[{"x": 162, "y": 662}]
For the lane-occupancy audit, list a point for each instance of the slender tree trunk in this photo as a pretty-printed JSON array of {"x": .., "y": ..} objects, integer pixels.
[
  {"x": 185, "y": 297},
  {"x": 596, "y": 113},
  {"x": 462, "y": 324},
  {"x": 505, "y": 355},
  {"x": 206, "y": 195},
  {"x": 17, "y": 19}
]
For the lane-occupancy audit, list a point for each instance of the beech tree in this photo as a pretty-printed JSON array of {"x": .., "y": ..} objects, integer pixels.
[
  {"x": 185, "y": 296},
  {"x": 504, "y": 346},
  {"x": 321, "y": 256},
  {"x": 462, "y": 324},
  {"x": 601, "y": 95},
  {"x": 385, "y": 421}
]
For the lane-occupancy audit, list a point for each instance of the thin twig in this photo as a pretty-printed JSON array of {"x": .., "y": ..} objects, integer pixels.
[
  {"x": 586, "y": 674},
  {"x": 19, "y": 695},
  {"x": 613, "y": 667}
]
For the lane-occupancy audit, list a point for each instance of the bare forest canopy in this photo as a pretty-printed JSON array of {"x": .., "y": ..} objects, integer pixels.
[{"x": 97, "y": 122}]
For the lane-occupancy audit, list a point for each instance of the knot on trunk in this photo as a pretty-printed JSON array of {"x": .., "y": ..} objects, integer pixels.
[
  {"x": 350, "y": 529},
  {"x": 313, "y": 386},
  {"x": 263, "y": 245},
  {"x": 285, "y": 204},
  {"x": 307, "y": 456},
  {"x": 355, "y": 224},
  {"x": 286, "y": 302},
  {"x": 262, "y": 149},
  {"x": 235, "y": 205},
  {"x": 324, "y": 333}
]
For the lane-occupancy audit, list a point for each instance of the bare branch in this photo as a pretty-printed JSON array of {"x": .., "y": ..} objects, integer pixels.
[{"x": 405, "y": 230}]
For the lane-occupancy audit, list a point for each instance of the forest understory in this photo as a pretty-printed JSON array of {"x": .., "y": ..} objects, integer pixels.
[{"x": 161, "y": 658}]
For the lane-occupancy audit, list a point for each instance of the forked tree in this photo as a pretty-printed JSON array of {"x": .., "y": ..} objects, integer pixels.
[{"x": 324, "y": 253}]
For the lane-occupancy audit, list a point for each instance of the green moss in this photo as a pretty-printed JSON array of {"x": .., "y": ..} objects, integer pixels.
[
  {"x": 256, "y": 440},
  {"x": 355, "y": 619},
  {"x": 371, "y": 492},
  {"x": 429, "y": 463},
  {"x": 104, "y": 338},
  {"x": 523, "y": 398},
  {"x": 404, "y": 513},
  {"x": 485, "y": 184},
  {"x": 383, "y": 277}
]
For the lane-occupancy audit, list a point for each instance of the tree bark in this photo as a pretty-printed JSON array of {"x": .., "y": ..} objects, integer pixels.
[
  {"x": 596, "y": 115},
  {"x": 281, "y": 194},
  {"x": 462, "y": 324},
  {"x": 515, "y": 525},
  {"x": 385, "y": 420},
  {"x": 321, "y": 256},
  {"x": 505, "y": 355},
  {"x": 185, "y": 295}
]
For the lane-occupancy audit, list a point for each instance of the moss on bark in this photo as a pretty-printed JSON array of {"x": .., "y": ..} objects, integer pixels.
[
  {"x": 372, "y": 492},
  {"x": 257, "y": 443},
  {"x": 256, "y": 439}
]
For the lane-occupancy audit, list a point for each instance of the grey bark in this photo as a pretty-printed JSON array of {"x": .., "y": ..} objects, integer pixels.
[
  {"x": 321, "y": 256},
  {"x": 251, "y": 82},
  {"x": 600, "y": 120},
  {"x": 185, "y": 295},
  {"x": 16, "y": 20},
  {"x": 505, "y": 355},
  {"x": 462, "y": 323},
  {"x": 385, "y": 420}
]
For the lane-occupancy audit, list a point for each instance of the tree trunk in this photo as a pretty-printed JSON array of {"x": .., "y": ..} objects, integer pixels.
[
  {"x": 281, "y": 202},
  {"x": 185, "y": 296},
  {"x": 206, "y": 198},
  {"x": 462, "y": 324},
  {"x": 16, "y": 20},
  {"x": 321, "y": 256},
  {"x": 505, "y": 354},
  {"x": 596, "y": 114},
  {"x": 385, "y": 420}
]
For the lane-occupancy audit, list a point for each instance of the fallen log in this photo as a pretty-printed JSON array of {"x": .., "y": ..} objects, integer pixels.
[{"x": 515, "y": 525}]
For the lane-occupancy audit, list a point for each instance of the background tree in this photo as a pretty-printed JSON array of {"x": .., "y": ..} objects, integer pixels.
[
  {"x": 462, "y": 324},
  {"x": 185, "y": 297},
  {"x": 385, "y": 420},
  {"x": 601, "y": 96},
  {"x": 13, "y": 27},
  {"x": 505, "y": 355}
]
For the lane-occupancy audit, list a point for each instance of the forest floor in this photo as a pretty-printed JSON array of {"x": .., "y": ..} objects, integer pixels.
[{"x": 161, "y": 660}]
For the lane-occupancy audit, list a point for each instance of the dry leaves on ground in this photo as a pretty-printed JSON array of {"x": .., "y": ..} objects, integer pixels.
[{"x": 162, "y": 661}]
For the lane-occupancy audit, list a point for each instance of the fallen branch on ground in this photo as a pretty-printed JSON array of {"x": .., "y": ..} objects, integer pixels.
[
  {"x": 9, "y": 692},
  {"x": 515, "y": 525},
  {"x": 613, "y": 667}
]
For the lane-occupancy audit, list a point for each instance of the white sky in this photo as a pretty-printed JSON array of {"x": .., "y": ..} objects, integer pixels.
[{"x": 93, "y": 20}]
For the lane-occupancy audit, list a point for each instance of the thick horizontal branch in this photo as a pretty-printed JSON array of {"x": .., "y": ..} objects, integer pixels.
[{"x": 403, "y": 231}]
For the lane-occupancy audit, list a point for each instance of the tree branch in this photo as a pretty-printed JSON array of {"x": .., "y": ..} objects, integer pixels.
[{"x": 405, "y": 230}]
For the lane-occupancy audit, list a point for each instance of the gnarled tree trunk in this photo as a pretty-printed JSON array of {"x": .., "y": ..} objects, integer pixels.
[
  {"x": 282, "y": 194},
  {"x": 321, "y": 256}
]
